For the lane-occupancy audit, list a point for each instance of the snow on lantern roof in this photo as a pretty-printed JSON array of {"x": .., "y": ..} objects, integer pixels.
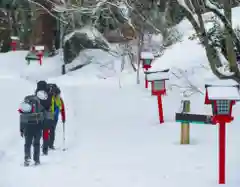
[
  {"x": 227, "y": 82},
  {"x": 147, "y": 55},
  {"x": 14, "y": 38},
  {"x": 158, "y": 71},
  {"x": 39, "y": 48},
  {"x": 223, "y": 93},
  {"x": 158, "y": 76}
]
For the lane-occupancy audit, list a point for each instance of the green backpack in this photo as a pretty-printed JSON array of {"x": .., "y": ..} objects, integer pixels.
[{"x": 32, "y": 112}]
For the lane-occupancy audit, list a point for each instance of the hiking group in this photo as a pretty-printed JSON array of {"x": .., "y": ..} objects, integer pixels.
[{"x": 39, "y": 114}]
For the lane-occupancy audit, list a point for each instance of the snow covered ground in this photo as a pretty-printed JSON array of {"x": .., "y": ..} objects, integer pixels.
[{"x": 114, "y": 138}]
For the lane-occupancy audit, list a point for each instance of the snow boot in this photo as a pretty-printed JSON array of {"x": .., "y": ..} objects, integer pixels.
[
  {"x": 27, "y": 162},
  {"x": 52, "y": 147},
  {"x": 37, "y": 163},
  {"x": 45, "y": 151}
]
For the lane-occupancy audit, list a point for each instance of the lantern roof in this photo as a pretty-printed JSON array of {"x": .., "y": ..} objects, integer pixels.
[
  {"x": 14, "y": 38},
  {"x": 227, "y": 82},
  {"x": 147, "y": 55},
  {"x": 39, "y": 48},
  {"x": 158, "y": 76},
  {"x": 223, "y": 92},
  {"x": 159, "y": 71}
]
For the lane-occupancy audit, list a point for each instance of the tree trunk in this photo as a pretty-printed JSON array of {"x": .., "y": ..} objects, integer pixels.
[
  {"x": 49, "y": 23},
  {"x": 140, "y": 43},
  {"x": 229, "y": 41},
  {"x": 211, "y": 52},
  {"x": 36, "y": 36}
]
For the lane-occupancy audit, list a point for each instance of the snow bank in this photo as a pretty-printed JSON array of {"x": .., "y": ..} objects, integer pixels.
[{"x": 14, "y": 63}]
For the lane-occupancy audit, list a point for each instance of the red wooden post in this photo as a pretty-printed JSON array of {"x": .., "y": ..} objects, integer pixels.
[
  {"x": 40, "y": 60},
  {"x": 40, "y": 57},
  {"x": 160, "y": 109},
  {"x": 146, "y": 83},
  {"x": 222, "y": 147},
  {"x": 14, "y": 45}
]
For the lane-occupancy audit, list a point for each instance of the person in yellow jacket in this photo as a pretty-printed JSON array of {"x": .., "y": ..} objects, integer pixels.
[{"x": 56, "y": 106}]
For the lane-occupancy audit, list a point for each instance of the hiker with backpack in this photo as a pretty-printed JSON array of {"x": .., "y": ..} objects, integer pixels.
[
  {"x": 58, "y": 108},
  {"x": 48, "y": 104},
  {"x": 31, "y": 125}
]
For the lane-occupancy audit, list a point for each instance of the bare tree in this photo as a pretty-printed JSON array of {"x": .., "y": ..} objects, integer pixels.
[
  {"x": 213, "y": 54},
  {"x": 227, "y": 5}
]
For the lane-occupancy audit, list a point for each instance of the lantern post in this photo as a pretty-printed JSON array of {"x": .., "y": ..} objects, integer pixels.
[
  {"x": 39, "y": 52},
  {"x": 146, "y": 58},
  {"x": 222, "y": 98},
  {"x": 14, "y": 42},
  {"x": 157, "y": 80}
]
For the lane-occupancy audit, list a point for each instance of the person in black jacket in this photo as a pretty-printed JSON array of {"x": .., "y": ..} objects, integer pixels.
[
  {"x": 31, "y": 123},
  {"x": 46, "y": 103}
]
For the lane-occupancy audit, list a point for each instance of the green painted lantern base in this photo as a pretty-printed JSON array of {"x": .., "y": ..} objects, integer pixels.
[{"x": 33, "y": 56}]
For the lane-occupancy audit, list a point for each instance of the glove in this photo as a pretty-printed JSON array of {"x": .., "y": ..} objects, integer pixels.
[{"x": 22, "y": 133}]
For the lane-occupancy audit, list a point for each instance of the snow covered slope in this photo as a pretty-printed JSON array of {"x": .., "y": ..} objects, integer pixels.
[
  {"x": 14, "y": 63},
  {"x": 114, "y": 138}
]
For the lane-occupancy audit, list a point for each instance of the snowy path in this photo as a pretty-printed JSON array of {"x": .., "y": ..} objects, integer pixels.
[{"x": 114, "y": 140}]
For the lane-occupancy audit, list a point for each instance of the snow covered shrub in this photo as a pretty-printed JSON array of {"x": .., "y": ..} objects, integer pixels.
[
  {"x": 172, "y": 37},
  {"x": 87, "y": 37},
  {"x": 216, "y": 35},
  {"x": 174, "y": 14}
]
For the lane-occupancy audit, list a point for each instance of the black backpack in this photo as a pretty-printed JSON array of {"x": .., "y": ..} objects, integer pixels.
[
  {"x": 35, "y": 114},
  {"x": 47, "y": 102},
  {"x": 41, "y": 85},
  {"x": 53, "y": 89}
]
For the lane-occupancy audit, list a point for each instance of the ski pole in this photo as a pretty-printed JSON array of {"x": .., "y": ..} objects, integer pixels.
[{"x": 64, "y": 148}]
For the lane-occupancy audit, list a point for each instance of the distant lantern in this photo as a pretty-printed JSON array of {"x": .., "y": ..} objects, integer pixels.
[
  {"x": 39, "y": 52},
  {"x": 146, "y": 58},
  {"x": 157, "y": 80},
  {"x": 14, "y": 42},
  {"x": 148, "y": 76}
]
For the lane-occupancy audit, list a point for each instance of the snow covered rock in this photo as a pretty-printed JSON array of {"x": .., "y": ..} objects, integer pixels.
[{"x": 87, "y": 37}]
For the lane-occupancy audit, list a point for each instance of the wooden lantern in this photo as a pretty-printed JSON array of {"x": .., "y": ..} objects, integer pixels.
[
  {"x": 158, "y": 82},
  {"x": 39, "y": 52},
  {"x": 14, "y": 42},
  {"x": 146, "y": 58},
  {"x": 222, "y": 98}
]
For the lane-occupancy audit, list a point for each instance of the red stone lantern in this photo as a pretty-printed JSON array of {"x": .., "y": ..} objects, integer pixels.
[
  {"x": 146, "y": 58},
  {"x": 157, "y": 80},
  {"x": 222, "y": 98},
  {"x": 39, "y": 52},
  {"x": 14, "y": 42}
]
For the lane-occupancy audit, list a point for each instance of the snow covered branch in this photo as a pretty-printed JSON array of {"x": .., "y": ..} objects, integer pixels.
[
  {"x": 226, "y": 22},
  {"x": 48, "y": 11},
  {"x": 186, "y": 86}
]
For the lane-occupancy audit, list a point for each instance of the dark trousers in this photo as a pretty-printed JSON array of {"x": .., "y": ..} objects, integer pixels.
[
  {"x": 45, "y": 140},
  {"x": 52, "y": 133},
  {"x": 32, "y": 137},
  {"x": 48, "y": 135}
]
